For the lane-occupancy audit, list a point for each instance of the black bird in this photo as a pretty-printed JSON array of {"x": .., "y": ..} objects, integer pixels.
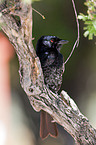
[{"x": 52, "y": 63}]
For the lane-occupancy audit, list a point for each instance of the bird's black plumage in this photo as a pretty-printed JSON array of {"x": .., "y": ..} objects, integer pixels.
[
  {"x": 52, "y": 63},
  {"x": 48, "y": 51}
]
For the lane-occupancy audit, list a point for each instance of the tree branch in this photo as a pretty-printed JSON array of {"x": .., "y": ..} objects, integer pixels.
[{"x": 61, "y": 107}]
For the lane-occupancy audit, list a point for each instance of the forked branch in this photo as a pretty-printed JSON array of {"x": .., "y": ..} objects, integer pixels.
[{"x": 61, "y": 107}]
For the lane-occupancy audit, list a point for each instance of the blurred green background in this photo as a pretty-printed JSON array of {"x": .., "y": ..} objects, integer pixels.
[{"x": 79, "y": 79}]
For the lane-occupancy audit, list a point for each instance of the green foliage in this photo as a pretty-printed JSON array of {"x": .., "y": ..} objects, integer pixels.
[{"x": 89, "y": 19}]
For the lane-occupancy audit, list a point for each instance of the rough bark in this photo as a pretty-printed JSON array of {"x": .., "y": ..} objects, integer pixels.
[{"x": 62, "y": 108}]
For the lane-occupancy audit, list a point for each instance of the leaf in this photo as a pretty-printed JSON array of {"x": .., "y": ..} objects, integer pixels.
[
  {"x": 90, "y": 36},
  {"x": 86, "y": 33},
  {"x": 83, "y": 17},
  {"x": 94, "y": 24},
  {"x": 88, "y": 22},
  {"x": 80, "y": 17}
]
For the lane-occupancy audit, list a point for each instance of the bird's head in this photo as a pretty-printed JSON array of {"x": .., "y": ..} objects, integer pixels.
[{"x": 46, "y": 43}]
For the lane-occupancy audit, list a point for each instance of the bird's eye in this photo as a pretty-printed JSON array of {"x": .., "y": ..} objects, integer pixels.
[{"x": 51, "y": 40}]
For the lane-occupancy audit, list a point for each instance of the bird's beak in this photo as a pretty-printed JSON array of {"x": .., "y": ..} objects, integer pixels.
[{"x": 61, "y": 42}]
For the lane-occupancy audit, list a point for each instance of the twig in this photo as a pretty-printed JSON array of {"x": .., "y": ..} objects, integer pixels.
[
  {"x": 39, "y": 13},
  {"x": 77, "y": 41}
]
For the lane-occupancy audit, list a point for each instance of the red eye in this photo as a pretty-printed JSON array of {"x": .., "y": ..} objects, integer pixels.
[{"x": 52, "y": 41}]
